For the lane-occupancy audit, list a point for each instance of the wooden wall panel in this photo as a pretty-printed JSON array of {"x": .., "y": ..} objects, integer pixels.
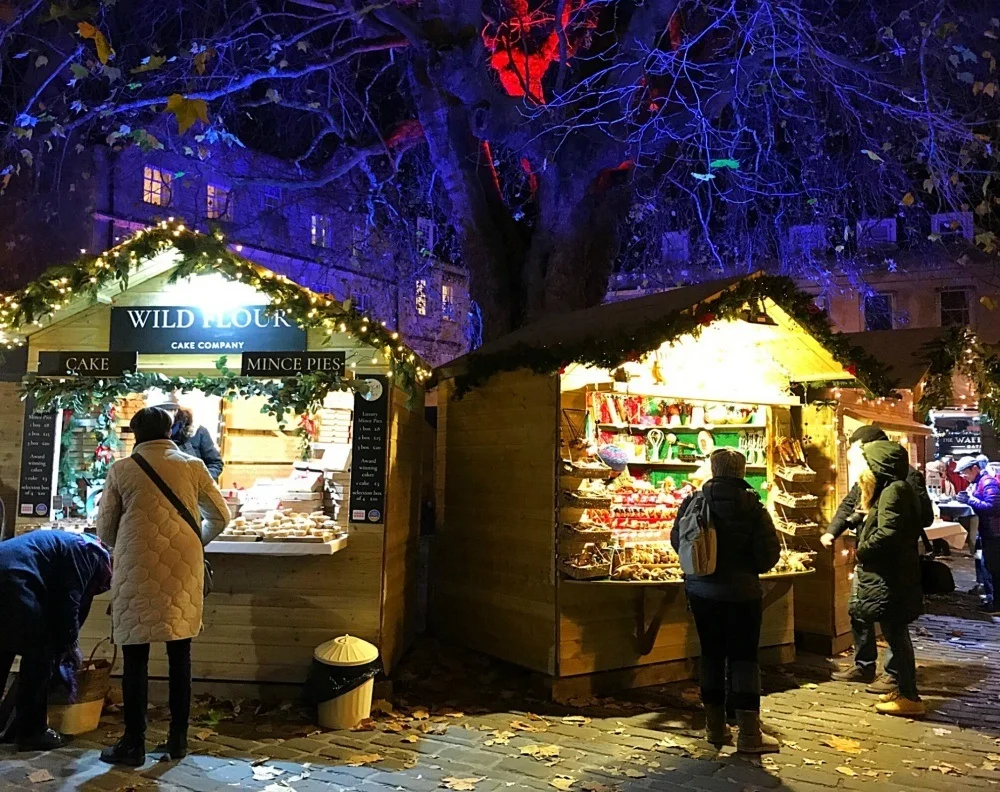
[
  {"x": 402, "y": 525},
  {"x": 267, "y": 614},
  {"x": 493, "y": 572},
  {"x": 11, "y": 429}
]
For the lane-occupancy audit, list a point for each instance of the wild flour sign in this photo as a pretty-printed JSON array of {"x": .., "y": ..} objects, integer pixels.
[{"x": 195, "y": 330}]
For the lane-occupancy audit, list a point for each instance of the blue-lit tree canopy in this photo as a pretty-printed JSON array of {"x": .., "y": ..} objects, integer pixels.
[{"x": 559, "y": 139}]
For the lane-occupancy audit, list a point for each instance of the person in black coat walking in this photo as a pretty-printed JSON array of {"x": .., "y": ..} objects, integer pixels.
[
  {"x": 193, "y": 441},
  {"x": 48, "y": 580},
  {"x": 847, "y": 516},
  {"x": 727, "y": 604}
]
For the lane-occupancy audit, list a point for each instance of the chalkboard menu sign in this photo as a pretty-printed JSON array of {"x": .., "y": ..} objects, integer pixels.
[
  {"x": 13, "y": 364},
  {"x": 38, "y": 461},
  {"x": 289, "y": 364},
  {"x": 86, "y": 364},
  {"x": 368, "y": 452}
]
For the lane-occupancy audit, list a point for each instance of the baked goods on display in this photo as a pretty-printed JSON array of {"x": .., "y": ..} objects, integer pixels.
[
  {"x": 282, "y": 525},
  {"x": 587, "y": 564},
  {"x": 77, "y": 525},
  {"x": 797, "y": 500},
  {"x": 793, "y": 561}
]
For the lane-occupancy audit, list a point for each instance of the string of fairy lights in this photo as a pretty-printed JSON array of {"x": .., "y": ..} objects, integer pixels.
[{"x": 39, "y": 302}]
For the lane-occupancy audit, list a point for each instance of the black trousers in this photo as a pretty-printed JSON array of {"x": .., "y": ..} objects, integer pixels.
[
  {"x": 729, "y": 633},
  {"x": 31, "y": 696},
  {"x": 991, "y": 568},
  {"x": 135, "y": 687}
]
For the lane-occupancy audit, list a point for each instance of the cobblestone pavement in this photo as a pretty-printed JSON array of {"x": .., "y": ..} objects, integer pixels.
[{"x": 464, "y": 723}]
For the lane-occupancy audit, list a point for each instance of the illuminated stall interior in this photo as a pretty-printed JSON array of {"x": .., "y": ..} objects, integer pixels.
[{"x": 550, "y": 558}]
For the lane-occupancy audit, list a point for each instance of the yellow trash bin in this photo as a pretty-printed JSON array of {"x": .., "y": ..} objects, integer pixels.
[{"x": 349, "y": 709}]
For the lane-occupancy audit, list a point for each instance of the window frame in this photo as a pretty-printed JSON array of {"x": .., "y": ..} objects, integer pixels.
[
  {"x": 448, "y": 302},
  {"x": 272, "y": 199},
  {"x": 165, "y": 181},
  {"x": 421, "y": 299},
  {"x": 211, "y": 202},
  {"x": 320, "y": 233},
  {"x": 966, "y": 309},
  {"x": 891, "y": 297}
]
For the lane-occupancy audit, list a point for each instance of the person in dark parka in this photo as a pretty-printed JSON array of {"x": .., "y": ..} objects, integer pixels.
[
  {"x": 48, "y": 580},
  {"x": 888, "y": 570},
  {"x": 865, "y": 641},
  {"x": 193, "y": 440}
]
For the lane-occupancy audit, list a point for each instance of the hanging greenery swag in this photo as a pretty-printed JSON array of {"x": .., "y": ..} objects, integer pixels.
[
  {"x": 300, "y": 395},
  {"x": 57, "y": 287},
  {"x": 612, "y": 350},
  {"x": 958, "y": 349}
]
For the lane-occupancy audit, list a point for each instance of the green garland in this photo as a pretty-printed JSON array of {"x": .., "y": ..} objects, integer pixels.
[
  {"x": 42, "y": 299},
  {"x": 300, "y": 395},
  {"x": 610, "y": 351},
  {"x": 959, "y": 349}
]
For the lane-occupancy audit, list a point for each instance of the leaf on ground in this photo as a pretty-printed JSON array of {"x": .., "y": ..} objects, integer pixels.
[
  {"x": 592, "y": 787},
  {"x": 410, "y": 738},
  {"x": 945, "y": 769},
  {"x": 529, "y": 727},
  {"x": 813, "y": 762},
  {"x": 204, "y": 734},
  {"x": 40, "y": 777},
  {"x": 383, "y": 707},
  {"x": 633, "y": 773},
  {"x": 420, "y": 714},
  {"x": 942, "y": 732},
  {"x": 987, "y": 765},
  {"x": 499, "y": 737},
  {"x": 426, "y": 727},
  {"x": 847, "y": 771},
  {"x": 393, "y": 726},
  {"x": 266, "y": 773},
  {"x": 368, "y": 724},
  {"x": 460, "y": 784},
  {"x": 540, "y": 752},
  {"x": 993, "y": 757},
  {"x": 88, "y": 31},
  {"x": 843, "y": 744},
  {"x": 619, "y": 731},
  {"x": 576, "y": 720},
  {"x": 562, "y": 782},
  {"x": 187, "y": 111},
  {"x": 365, "y": 758}
]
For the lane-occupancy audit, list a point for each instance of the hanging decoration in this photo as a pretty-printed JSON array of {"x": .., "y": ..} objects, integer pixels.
[
  {"x": 40, "y": 301},
  {"x": 299, "y": 395},
  {"x": 608, "y": 351},
  {"x": 958, "y": 349}
]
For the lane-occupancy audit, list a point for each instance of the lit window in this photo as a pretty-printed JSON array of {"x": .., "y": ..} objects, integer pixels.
[
  {"x": 878, "y": 311},
  {"x": 420, "y": 297},
  {"x": 218, "y": 205},
  {"x": 448, "y": 302},
  {"x": 322, "y": 229},
  {"x": 955, "y": 308},
  {"x": 272, "y": 198},
  {"x": 156, "y": 186}
]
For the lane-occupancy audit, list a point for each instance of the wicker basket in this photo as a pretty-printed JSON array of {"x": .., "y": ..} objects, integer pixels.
[
  {"x": 799, "y": 474},
  {"x": 586, "y": 501},
  {"x": 93, "y": 681},
  {"x": 592, "y": 572},
  {"x": 586, "y": 471},
  {"x": 574, "y": 532}
]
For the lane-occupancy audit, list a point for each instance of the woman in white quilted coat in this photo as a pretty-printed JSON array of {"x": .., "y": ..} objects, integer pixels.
[{"x": 158, "y": 580}]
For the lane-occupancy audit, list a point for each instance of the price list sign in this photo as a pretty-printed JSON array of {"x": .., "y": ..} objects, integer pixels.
[
  {"x": 368, "y": 452},
  {"x": 38, "y": 461}
]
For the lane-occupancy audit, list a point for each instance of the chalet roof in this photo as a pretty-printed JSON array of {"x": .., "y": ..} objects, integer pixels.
[
  {"x": 609, "y": 334},
  {"x": 900, "y": 351}
]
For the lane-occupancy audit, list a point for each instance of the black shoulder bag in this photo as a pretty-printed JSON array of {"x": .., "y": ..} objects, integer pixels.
[{"x": 182, "y": 510}]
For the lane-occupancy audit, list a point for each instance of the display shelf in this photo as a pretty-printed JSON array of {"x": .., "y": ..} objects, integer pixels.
[
  {"x": 680, "y": 464},
  {"x": 277, "y": 548},
  {"x": 672, "y": 583},
  {"x": 684, "y": 427}
]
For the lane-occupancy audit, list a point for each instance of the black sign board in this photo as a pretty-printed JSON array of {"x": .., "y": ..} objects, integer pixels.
[
  {"x": 13, "y": 364},
  {"x": 38, "y": 461},
  {"x": 194, "y": 330},
  {"x": 288, "y": 364},
  {"x": 86, "y": 364},
  {"x": 368, "y": 451},
  {"x": 959, "y": 443}
]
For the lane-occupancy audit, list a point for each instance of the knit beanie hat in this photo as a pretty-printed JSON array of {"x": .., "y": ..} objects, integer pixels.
[
  {"x": 728, "y": 462},
  {"x": 868, "y": 434}
]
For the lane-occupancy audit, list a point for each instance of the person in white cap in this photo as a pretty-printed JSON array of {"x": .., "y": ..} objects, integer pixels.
[{"x": 983, "y": 495}]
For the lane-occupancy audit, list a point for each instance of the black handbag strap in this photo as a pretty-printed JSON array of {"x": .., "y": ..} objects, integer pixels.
[{"x": 168, "y": 494}]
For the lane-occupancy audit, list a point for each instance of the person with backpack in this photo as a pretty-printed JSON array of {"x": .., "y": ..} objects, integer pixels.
[
  {"x": 148, "y": 515},
  {"x": 864, "y": 670},
  {"x": 726, "y": 539}
]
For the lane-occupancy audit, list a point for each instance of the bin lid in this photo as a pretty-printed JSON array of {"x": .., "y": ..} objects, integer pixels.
[{"x": 346, "y": 651}]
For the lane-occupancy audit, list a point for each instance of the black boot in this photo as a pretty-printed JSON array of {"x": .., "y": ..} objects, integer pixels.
[
  {"x": 48, "y": 740},
  {"x": 130, "y": 751},
  {"x": 176, "y": 746}
]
